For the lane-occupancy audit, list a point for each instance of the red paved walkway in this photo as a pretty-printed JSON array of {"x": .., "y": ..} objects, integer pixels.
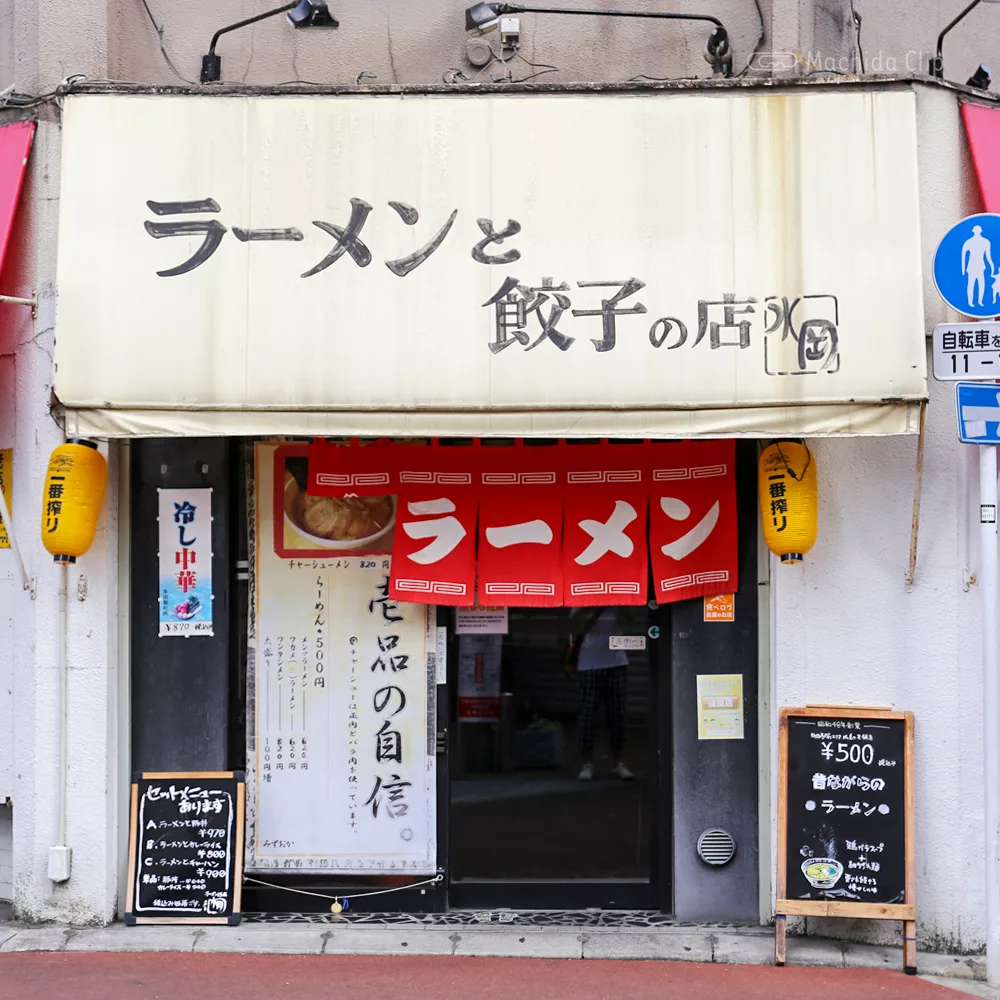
[{"x": 34, "y": 976}]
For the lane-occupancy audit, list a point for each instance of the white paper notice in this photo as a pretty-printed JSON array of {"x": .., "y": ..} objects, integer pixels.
[
  {"x": 341, "y": 761},
  {"x": 442, "y": 655},
  {"x": 720, "y": 706},
  {"x": 480, "y": 621},
  {"x": 627, "y": 642}
]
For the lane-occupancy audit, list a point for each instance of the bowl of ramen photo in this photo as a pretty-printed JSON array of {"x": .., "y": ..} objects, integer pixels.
[
  {"x": 342, "y": 523},
  {"x": 822, "y": 873}
]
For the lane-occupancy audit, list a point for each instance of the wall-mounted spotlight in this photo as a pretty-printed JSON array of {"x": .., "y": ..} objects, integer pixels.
[
  {"x": 312, "y": 15},
  {"x": 981, "y": 79},
  {"x": 482, "y": 17},
  {"x": 301, "y": 14},
  {"x": 936, "y": 65}
]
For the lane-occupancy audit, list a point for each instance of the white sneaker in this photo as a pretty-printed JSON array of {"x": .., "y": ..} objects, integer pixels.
[
  {"x": 587, "y": 772},
  {"x": 621, "y": 771}
]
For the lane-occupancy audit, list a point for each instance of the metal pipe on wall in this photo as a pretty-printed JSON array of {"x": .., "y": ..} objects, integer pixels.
[
  {"x": 911, "y": 570},
  {"x": 991, "y": 702},
  {"x": 63, "y": 714},
  {"x": 59, "y": 854}
]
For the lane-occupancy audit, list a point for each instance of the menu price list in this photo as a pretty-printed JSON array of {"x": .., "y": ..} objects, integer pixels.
[{"x": 185, "y": 858}]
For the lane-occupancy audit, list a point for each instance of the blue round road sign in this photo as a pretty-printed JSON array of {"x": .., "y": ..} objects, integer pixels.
[{"x": 967, "y": 266}]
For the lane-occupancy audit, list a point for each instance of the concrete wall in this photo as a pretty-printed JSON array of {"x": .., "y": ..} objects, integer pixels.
[
  {"x": 43, "y": 42},
  {"x": 32, "y": 744},
  {"x": 9, "y": 585},
  {"x": 416, "y": 43},
  {"x": 847, "y": 630}
]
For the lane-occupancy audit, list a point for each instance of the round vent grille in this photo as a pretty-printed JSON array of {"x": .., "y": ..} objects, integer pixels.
[{"x": 716, "y": 847}]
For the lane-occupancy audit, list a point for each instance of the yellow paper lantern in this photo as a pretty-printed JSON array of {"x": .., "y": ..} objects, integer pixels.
[
  {"x": 788, "y": 499},
  {"x": 71, "y": 501}
]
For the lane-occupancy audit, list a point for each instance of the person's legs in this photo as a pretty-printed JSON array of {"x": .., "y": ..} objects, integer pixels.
[
  {"x": 616, "y": 705},
  {"x": 586, "y": 724}
]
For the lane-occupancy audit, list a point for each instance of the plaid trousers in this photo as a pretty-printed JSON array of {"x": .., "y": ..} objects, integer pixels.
[{"x": 607, "y": 685}]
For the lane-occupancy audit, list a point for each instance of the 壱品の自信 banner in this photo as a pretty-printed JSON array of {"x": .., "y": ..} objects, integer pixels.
[{"x": 341, "y": 756}]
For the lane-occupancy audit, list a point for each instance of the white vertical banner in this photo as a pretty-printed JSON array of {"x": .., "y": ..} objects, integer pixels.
[
  {"x": 185, "y": 539},
  {"x": 341, "y": 756}
]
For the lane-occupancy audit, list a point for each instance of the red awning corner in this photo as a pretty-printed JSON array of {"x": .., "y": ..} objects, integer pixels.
[
  {"x": 15, "y": 145},
  {"x": 982, "y": 128}
]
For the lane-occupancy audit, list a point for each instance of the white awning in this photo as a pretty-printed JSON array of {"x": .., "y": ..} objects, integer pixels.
[
  {"x": 658, "y": 265},
  {"x": 762, "y": 422}
]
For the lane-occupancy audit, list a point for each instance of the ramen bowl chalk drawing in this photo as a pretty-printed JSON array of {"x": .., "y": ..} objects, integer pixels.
[{"x": 822, "y": 873}]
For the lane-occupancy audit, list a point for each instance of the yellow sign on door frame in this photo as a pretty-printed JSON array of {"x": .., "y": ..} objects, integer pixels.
[{"x": 7, "y": 485}]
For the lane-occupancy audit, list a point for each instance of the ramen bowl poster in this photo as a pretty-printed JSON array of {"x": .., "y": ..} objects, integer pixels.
[{"x": 310, "y": 526}]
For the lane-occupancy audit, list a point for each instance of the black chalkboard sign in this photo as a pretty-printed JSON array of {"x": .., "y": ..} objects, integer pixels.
[
  {"x": 846, "y": 817},
  {"x": 846, "y": 827},
  {"x": 186, "y": 848}
]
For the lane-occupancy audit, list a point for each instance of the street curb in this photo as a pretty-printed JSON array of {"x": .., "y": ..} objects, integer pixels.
[{"x": 752, "y": 946}]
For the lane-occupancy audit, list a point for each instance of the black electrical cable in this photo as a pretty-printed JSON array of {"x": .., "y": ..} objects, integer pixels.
[
  {"x": 456, "y": 77},
  {"x": 761, "y": 35},
  {"x": 857, "y": 28},
  {"x": 760, "y": 42},
  {"x": 542, "y": 68},
  {"x": 14, "y": 99},
  {"x": 158, "y": 28}
]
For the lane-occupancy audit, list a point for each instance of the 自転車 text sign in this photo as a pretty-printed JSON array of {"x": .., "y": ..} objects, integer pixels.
[{"x": 963, "y": 351}]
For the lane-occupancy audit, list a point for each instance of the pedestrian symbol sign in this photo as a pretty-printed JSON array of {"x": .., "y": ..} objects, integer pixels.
[
  {"x": 978, "y": 405},
  {"x": 967, "y": 266}
]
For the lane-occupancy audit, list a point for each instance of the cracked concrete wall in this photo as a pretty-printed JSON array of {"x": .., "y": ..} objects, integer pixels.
[
  {"x": 393, "y": 42},
  {"x": 418, "y": 43},
  {"x": 847, "y": 630},
  {"x": 26, "y": 344},
  {"x": 44, "y": 41}
]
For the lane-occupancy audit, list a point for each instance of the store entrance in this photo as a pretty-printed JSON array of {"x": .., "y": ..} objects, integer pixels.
[{"x": 557, "y": 797}]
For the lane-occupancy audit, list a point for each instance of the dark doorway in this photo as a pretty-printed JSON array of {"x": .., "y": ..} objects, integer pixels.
[{"x": 555, "y": 792}]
